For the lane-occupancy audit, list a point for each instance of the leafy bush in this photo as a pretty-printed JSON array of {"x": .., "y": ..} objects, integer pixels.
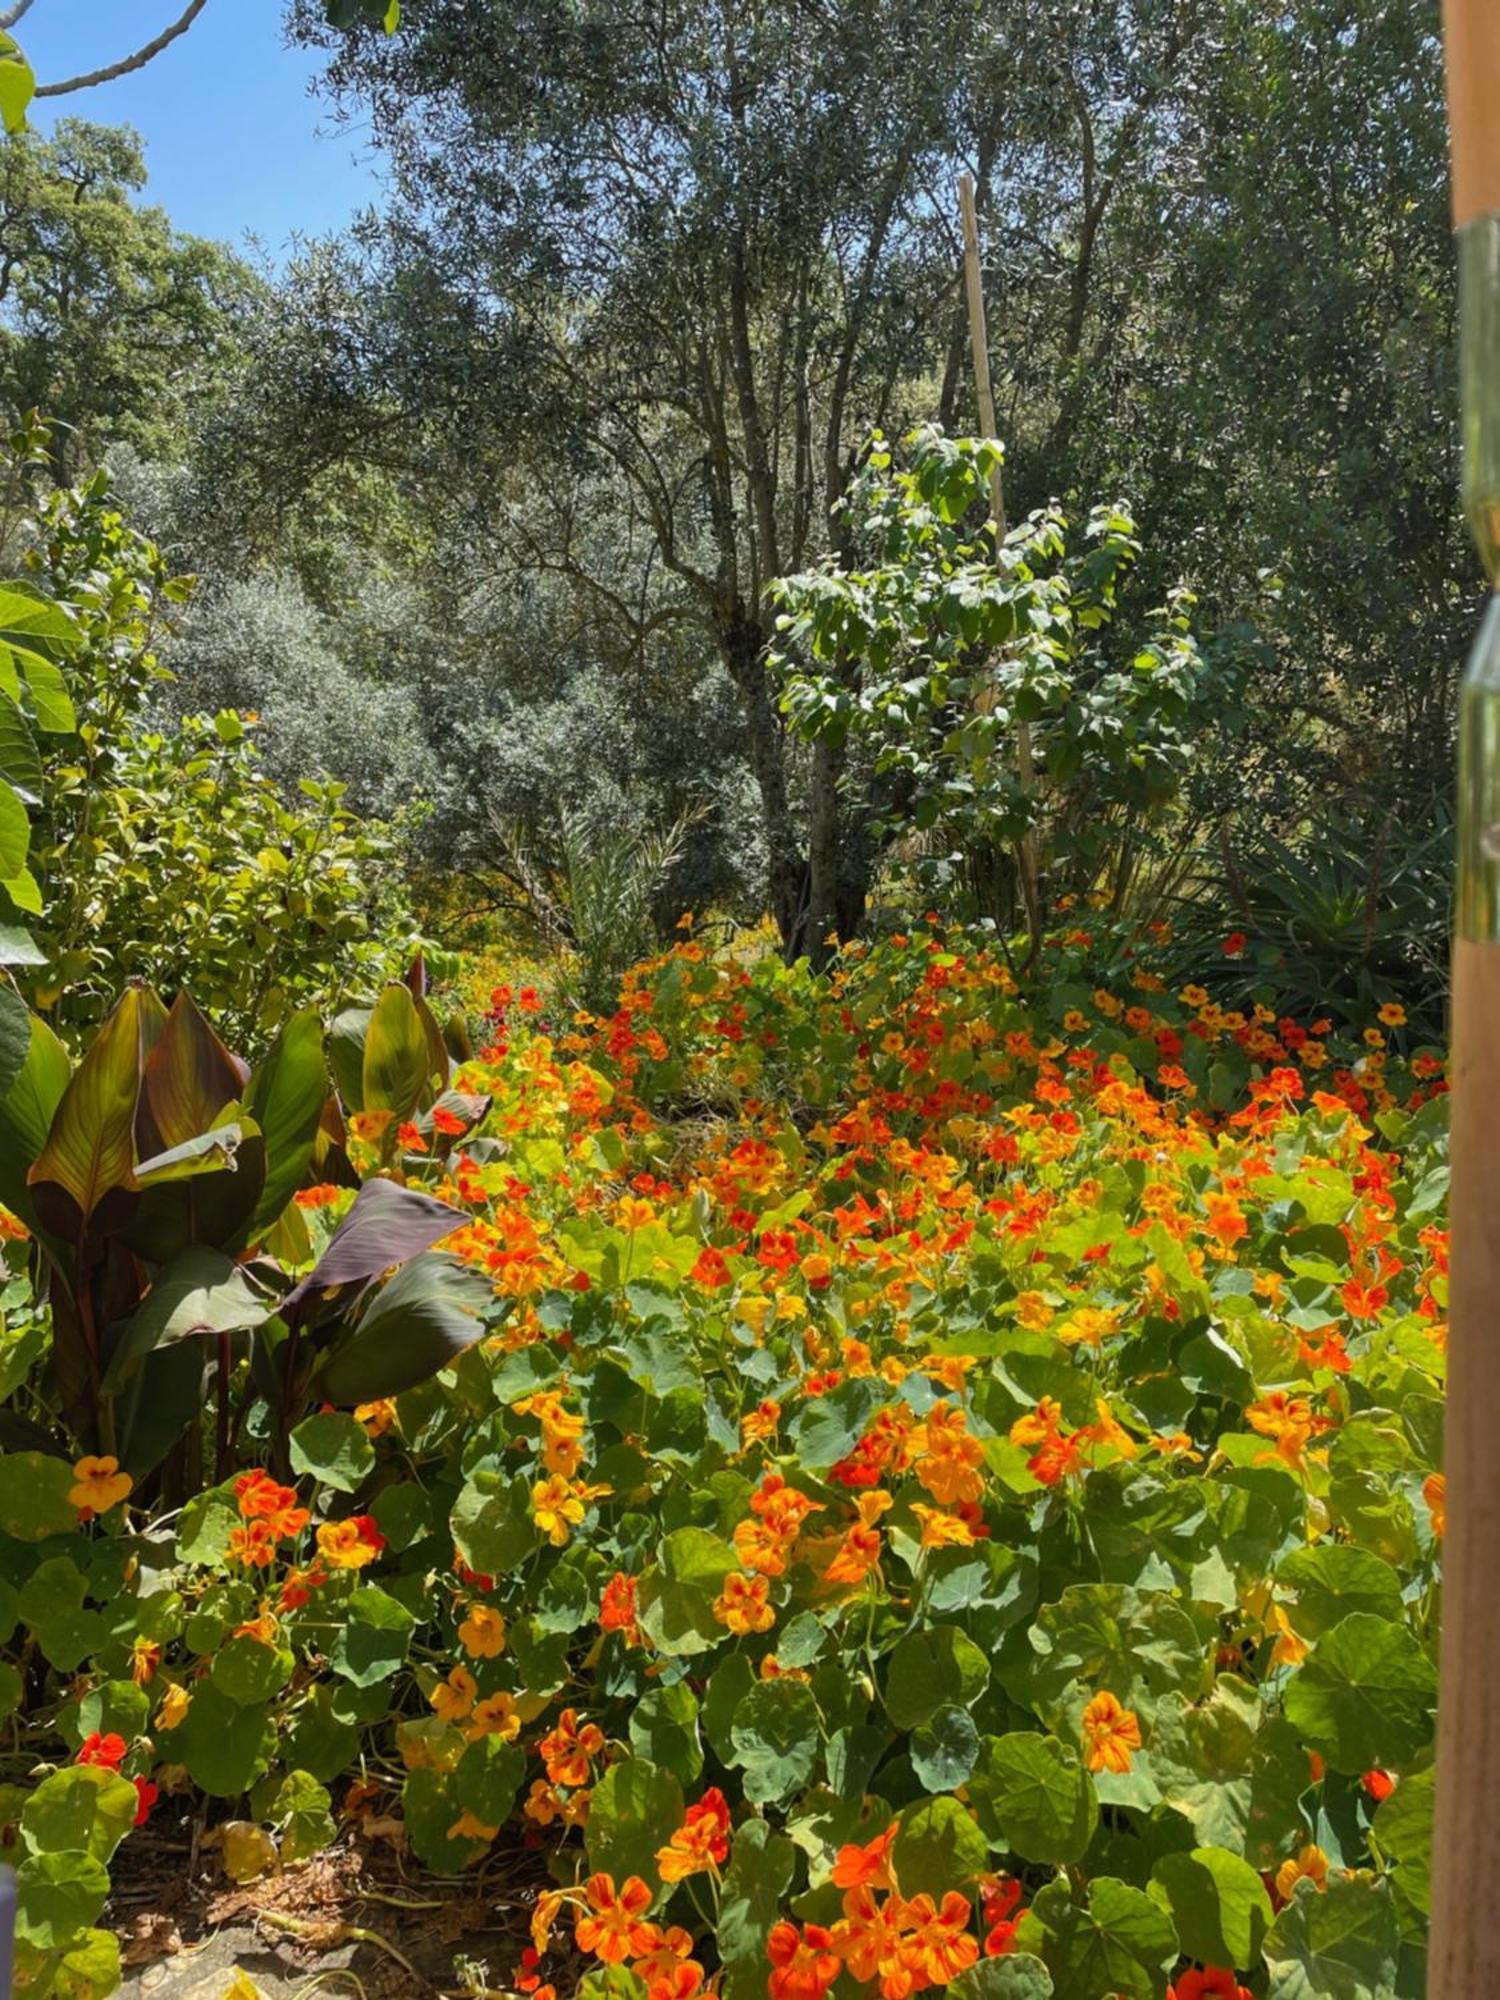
[
  {"x": 978, "y": 1502},
  {"x": 168, "y": 856}
]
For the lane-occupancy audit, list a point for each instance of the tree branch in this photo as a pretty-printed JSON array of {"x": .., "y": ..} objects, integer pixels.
[
  {"x": 13, "y": 14},
  {"x": 124, "y": 67}
]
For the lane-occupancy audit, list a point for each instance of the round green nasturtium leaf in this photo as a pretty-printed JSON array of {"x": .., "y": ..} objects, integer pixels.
[
  {"x": 59, "y": 1894},
  {"x": 335, "y": 1449},
  {"x": 1033, "y": 1796},
  {"x": 374, "y": 1633},
  {"x": 944, "y": 1748},
  {"x": 403, "y": 1513},
  {"x": 759, "y": 1874},
  {"x": 1340, "y": 1943},
  {"x": 664, "y": 1730},
  {"x": 938, "y": 1668},
  {"x": 1364, "y": 1695},
  {"x": 1403, "y": 1833},
  {"x": 1016, "y": 1976},
  {"x": 88, "y": 1969},
  {"x": 113, "y": 1708},
  {"x": 676, "y": 1596},
  {"x": 491, "y": 1522},
  {"x": 34, "y": 1488},
  {"x": 10, "y": 1690},
  {"x": 777, "y": 1736},
  {"x": 248, "y": 1670},
  {"x": 1108, "y": 1635},
  {"x": 301, "y": 1810},
  {"x": 206, "y": 1523},
  {"x": 83, "y": 1807},
  {"x": 224, "y": 1745},
  {"x": 635, "y": 1808},
  {"x": 938, "y": 1847},
  {"x": 321, "y": 1743},
  {"x": 1218, "y": 1904},
  {"x": 488, "y": 1777},
  {"x": 430, "y": 1810},
  {"x": 1332, "y": 1581},
  {"x": 1117, "y": 1942}
]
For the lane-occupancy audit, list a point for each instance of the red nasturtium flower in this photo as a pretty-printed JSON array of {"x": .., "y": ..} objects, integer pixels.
[
  {"x": 106, "y": 1751},
  {"x": 1212, "y": 1983},
  {"x": 701, "y": 1842}
]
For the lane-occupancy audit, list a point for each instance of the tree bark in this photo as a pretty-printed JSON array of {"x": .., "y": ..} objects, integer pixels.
[{"x": 742, "y": 643}]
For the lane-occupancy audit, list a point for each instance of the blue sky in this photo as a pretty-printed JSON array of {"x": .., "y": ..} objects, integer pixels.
[{"x": 234, "y": 141}]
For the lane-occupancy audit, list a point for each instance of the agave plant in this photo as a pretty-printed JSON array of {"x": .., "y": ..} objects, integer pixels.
[{"x": 156, "y": 1178}]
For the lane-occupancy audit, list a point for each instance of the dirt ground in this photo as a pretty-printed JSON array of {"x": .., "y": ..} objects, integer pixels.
[{"x": 359, "y": 1919}]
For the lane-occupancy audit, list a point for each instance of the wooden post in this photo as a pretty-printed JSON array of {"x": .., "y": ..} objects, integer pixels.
[
  {"x": 979, "y": 340},
  {"x": 1464, "y": 1954}
]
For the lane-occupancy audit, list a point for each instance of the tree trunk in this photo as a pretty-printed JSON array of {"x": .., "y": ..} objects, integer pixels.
[{"x": 742, "y": 643}]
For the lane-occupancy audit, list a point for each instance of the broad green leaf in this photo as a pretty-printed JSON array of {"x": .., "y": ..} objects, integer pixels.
[
  {"x": 777, "y": 1735},
  {"x": 755, "y": 1883},
  {"x": 90, "y": 1153},
  {"x": 664, "y": 1730},
  {"x": 488, "y": 1777},
  {"x": 1329, "y": 1582},
  {"x": 249, "y": 1671},
  {"x": 34, "y": 1501},
  {"x": 1403, "y": 1832},
  {"x": 301, "y": 1810},
  {"x": 200, "y": 1291},
  {"x": 397, "y": 1057},
  {"x": 930, "y": 1670},
  {"x": 1016, "y": 1976},
  {"x": 15, "y": 1038},
  {"x": 58, "y": 1895},
  {"x": 20, "y": 764},
  {"x": 634, "y": 1809},
  {"x": 15, "y": 831},
  {"x": 676, "y": 1596},
  {"x": 1032, "y": 1795},
  {"x": 1218, "y": 1904},
  {"x": 374, "y": 1633},
  {"x": 418, "y": 1322},
  {"x": 224, "y": 1744},
  {"x": 1117, "y": 1942},
  {"x": 943, "y": 1749},
  {"x": 938, "y": 1847},
  {"x": 1364, "y": 1695},
  {"x": 285, "y": 1097},
  {"x": 187, "y": 1081},
  {"x": 335, "y": 1449},
  {"x": 1337, "y": 1944},
  {"x": 83, "y": 1807},
  {"x": 18, "y": 947},
  {"x": 492, "y": 1524}
]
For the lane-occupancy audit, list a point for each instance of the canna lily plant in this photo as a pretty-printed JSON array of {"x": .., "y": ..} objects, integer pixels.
[{"x": 156, "y": 1179}]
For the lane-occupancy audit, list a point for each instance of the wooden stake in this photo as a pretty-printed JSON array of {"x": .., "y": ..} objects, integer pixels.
[
  {"x": 1464, "y": 1947},
  {"x": 979, "y": 340}
]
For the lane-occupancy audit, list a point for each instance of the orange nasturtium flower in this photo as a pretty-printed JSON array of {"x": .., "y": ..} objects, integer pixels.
[
  {"x": 867, "y": 1866},
  {"x": 175, "y": 1704},
  {"x": 702, "y": 1841},
  {"x": 351, "y": 1543},
  {"x": 743, "y": 1604},
  {"x": 98, "y": 1485},
  {"x": 568, "y": 1750},
  {"x": 496, "y": 1715},
  {"x": 482, "y": 1634},
  {"x": 454, "y": 1698},
  {"x": 803, "y": 1963},
  {"x": 1435, "y": 1493},
  {"x": 613, "y": 1926},
  {"x": 1110, "y": 1733},
  {"x": 1309, "y": 1863}
]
